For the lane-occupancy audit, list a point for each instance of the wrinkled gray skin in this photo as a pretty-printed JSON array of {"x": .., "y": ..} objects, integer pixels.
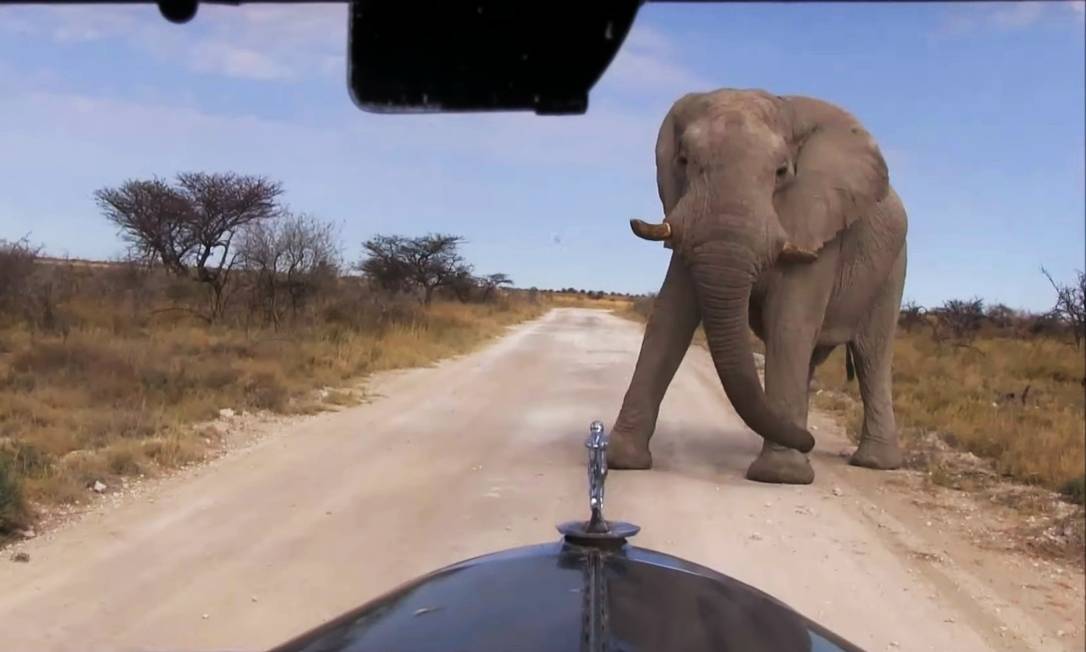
[{"x": 781, "y": 217}]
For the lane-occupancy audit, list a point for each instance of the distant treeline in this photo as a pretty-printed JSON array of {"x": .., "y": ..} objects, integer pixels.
[{"x": 965, "y": 319}]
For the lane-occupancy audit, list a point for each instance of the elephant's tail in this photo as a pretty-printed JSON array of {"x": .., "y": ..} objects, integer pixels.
[{"x": 850, "y": 366}]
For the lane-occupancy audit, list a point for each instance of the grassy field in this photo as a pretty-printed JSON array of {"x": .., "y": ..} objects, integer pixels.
[
  {"x": 972, "y": 397},
  {"x": 113, "y": 389},
  {"x": 105, "y": 387},
  {"x": 566, "y": 300}
]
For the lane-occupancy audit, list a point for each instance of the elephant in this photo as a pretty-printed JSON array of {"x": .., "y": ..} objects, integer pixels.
[{"x": 781, "y": 220}]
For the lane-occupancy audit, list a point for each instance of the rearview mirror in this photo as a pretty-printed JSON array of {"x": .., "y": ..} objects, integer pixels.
[{"x": 482, "y": 55}]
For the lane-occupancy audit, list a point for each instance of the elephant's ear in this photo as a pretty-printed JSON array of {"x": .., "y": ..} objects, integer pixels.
[
  {"x": 668, "y": 176},
  {"x": 840, "y": 175}
]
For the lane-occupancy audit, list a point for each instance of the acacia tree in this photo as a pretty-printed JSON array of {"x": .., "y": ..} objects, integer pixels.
[
  {"x": 492, "y": 282},
  {"x": 428, "y": 262},
  {"x": 1070, "y": 305},
  {"x": 190, "y": 226},
  {"x": 385, "y": 263},
  {"x": 466, "y": 286}
]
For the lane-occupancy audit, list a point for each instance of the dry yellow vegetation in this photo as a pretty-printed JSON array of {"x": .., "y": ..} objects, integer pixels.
[
  {"x": 113, "y": 388},
  {"x": 1018, "y": 402},
  {"x": 963, "y": 392},
  {"x": 576, "y": 300}
]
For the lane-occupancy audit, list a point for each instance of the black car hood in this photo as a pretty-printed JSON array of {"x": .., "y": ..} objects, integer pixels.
[{"x": 565, "y": 596}]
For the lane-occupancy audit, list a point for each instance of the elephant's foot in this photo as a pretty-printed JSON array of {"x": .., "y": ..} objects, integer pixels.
[
  {"x": 781, "y": 465},
  {"x": 625, "y": 452},
  {"x": 876, "y": 455}
]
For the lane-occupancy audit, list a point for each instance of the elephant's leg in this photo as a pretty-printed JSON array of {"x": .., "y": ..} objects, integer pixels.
[
  {"x": 675, "y": 316},
  {"x": 789, "y": 361},
  {"x": 873, "y": 352}
]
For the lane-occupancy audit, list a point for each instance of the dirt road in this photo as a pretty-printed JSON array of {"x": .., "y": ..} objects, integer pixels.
[{"x": 476, "y": 454}]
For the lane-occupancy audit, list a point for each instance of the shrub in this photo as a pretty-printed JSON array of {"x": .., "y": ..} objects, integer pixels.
[
  {"x": 1045, "y": 324},
  {"x": 1000, "y": 317},
  {"x": 25, "y": 459},
  {"x": 13, "y": 508},
  {"x": 289, "y": 260},
  {"x": 266, "y": 390},
  {"x": 911, "y": 316},
  {"x": 125, "y": 460},
  {"x": 1075, "y": 490},
  {"x": 16, "y": 271},
  {"x": 963, "y": 319},
  {"x": 172, "y": 451}
]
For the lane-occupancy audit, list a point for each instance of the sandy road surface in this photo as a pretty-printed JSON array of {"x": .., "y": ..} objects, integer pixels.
[{"x": 480, "y": 453}]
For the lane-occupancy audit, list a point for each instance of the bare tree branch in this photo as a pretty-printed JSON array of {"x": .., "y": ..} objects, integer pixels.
[
  {"x": 289, "y": 259},
  {"x": 1070, "y": 305}
]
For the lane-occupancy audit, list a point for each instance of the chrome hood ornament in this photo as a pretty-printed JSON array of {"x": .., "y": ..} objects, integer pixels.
[
  {"x": 597, "y": 531},
  {"x": 597, "y": 474}
]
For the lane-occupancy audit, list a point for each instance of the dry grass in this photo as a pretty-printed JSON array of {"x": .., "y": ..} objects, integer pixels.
[
  {"x": 115, "y": 393},
  {"x": 13, "y": 508},
  {"x": 638, "y": 309},
  {"x": 965, "y": 395},
  {"x": 576, "y": 300}
]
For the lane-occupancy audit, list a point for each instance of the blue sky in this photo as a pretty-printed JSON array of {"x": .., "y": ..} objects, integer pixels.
[{"x": 979, "y": 109}]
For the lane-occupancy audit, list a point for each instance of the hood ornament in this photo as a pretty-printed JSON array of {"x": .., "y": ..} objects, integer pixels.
[{"x": 597, "y": 531}]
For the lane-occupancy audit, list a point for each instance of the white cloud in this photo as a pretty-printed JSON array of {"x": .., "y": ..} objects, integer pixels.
[
  {"x": 281, "y": 42},
  {"x": 1017, "y": 15},
  {"x": 1005, "y": 17},
  {"x": 649, "y": 63},
  {"x": 143, "y": 137},
  {"x": 74, "y": 24},
  {"x": 249, "y": 42},
  {"x": 232, "y": 61}
]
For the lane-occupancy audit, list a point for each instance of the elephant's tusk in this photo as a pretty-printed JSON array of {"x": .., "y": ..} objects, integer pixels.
[
  {"x": 646, "y": 231},
  {"x": 793, "y": 254}
]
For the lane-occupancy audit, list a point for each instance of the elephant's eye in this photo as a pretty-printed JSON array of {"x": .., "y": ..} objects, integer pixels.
[
  {"x": 681, "y": 160},
  {"x": 782, "y": 171}
]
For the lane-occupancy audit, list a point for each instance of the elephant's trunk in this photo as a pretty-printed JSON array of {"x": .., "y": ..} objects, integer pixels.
[{"x": 724, "y": 273}]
